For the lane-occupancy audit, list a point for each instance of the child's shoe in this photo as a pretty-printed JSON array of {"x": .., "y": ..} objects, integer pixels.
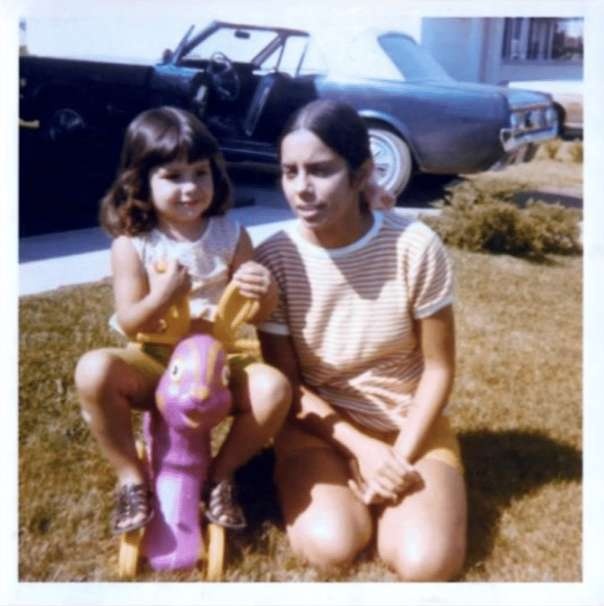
[{"x": 222, "y": 507}]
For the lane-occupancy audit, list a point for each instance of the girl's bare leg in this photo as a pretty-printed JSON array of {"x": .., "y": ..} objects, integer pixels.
[
  {"x": 262, "y": 397},
  {"x": 108, "y": 387},
  {"x": 423, "y": 538},
  {"x": 326, "y": 524}
]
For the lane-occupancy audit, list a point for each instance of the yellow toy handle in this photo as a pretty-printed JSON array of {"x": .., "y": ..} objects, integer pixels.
[
  {"x": 234, "y": 309},
  {"x": 173, "y": 326}
]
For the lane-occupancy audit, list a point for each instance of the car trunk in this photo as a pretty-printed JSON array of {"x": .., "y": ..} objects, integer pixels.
[{"x": 516, "y": 97}]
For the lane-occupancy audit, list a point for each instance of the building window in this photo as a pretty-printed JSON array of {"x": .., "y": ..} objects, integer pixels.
[{"x": 543, "y": 39}]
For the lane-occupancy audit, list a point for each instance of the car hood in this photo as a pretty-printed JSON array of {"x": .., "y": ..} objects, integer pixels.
[{"x": 516, "y": 97}]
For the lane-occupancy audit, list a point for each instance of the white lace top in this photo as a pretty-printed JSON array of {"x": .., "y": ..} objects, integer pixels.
[{"x": 208, "y": 260}]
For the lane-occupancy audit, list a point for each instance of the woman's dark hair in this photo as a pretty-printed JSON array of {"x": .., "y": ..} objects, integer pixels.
[
  {"x": 338, "y": 125},
  {"x": 155, "y": 137}
]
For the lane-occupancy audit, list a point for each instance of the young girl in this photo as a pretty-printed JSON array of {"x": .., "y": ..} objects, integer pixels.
[{"x": 172, "y": 239}]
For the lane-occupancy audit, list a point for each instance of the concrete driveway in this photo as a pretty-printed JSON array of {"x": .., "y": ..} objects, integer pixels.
[{"x": 50, "y": 261}]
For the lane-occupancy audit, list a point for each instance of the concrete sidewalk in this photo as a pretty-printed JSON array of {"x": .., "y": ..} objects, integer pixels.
[{"x": 49, "y": 261}]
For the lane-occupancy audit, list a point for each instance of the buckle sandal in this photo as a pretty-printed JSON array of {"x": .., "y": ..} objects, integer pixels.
[
  {"x": 222, "y": 507},
  {"x": 133, "y": 501}
]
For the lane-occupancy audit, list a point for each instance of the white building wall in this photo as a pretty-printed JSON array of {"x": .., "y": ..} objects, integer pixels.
[
  {"x": 491, "y": 51},
  {"x": 456, "y": 43},
  {"x": 538, "y": 71},
  {"x": 470, "y": 49}
]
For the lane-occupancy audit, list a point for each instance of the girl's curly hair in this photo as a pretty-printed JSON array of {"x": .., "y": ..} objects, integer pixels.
[{"x": 155, "y": 137}]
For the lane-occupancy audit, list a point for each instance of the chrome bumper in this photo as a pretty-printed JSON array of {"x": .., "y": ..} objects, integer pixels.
[{"x": 511, "y": 140}]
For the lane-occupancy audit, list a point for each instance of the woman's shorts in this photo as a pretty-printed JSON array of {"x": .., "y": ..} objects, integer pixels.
[{"x": 441, "y": 443}]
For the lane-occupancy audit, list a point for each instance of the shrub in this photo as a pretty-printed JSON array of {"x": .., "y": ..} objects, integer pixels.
[
  {"x": 551, "y": 228},
  {"x": 562, "y": 151},
  {"x": 486, "y": 220},
  {"x": 575, "y": 151},
  {"x": 549, "y": 149}
]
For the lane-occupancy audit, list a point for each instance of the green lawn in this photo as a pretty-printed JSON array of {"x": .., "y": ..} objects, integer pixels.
[{"x": 516, "y": 406}]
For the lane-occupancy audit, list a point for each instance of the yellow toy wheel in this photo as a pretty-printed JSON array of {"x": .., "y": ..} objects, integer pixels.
[
  {"x": 216, "y": 543},
  {"x": 129, "y": 553},
  {"x": 129, "y": 550}
]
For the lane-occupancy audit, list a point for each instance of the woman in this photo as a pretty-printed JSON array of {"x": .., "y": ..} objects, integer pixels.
[{"x": 364, "y": 330}]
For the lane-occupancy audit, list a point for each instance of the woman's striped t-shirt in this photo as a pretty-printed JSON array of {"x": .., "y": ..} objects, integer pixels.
[{"x": 350, "y": 312}]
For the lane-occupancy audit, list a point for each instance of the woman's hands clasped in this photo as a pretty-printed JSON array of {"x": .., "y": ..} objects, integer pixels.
[{"x": 381, "y": 473}]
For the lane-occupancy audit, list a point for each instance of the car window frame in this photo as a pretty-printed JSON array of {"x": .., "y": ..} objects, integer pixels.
[{"x": 278, "y": 65}]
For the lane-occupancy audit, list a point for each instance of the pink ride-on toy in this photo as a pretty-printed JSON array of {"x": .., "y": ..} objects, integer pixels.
[{"x": 192, "y": 397}]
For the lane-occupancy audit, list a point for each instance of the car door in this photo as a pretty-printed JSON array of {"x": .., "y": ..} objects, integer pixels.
[
  {"x": 236, "y": 46},
  {"x": 283, "y": 87},
  {"x": 177, "y": 85}
]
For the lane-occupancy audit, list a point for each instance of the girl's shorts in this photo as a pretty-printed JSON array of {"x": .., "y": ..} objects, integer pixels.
[
  {"x": 151, "y": 359},
  {"x": 441, "y": 444}
]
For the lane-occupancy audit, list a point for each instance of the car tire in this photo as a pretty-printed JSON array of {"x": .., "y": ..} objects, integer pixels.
[
  {"x": 63, "y": 122},
  {"x": 561, "y": 119},
  {"x": 392, "y": 158}
]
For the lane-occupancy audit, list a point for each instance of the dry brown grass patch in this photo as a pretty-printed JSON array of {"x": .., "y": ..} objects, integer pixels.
[{"x": 516, "y": 405}]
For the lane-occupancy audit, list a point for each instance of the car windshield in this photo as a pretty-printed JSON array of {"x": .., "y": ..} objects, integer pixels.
[
  {"x": 362, "y": 54},
  {"x": 412, "y": 61},
  {"x": 238, "y": 44}
]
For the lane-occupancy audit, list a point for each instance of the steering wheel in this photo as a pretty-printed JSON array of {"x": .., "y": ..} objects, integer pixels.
[{"x": 224, "y": 76}]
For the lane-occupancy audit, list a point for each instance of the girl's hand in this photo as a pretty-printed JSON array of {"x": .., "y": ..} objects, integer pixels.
[
  {"x": 381, "y": 473},
  {"x": 168, "y": 281},
  {"x": 255, "y": 281}
]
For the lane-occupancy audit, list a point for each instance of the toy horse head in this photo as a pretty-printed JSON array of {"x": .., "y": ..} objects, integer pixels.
[{"x": 193, "y": 393}]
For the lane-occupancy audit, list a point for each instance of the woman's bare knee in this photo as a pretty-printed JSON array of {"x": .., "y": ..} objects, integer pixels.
[
  {"x": 424, "y": 537},
  {"x": 430, "y": 563},
  {"x": 330, "y": 541}
]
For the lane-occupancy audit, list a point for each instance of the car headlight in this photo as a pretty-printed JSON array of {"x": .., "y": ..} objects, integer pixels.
[
  {"x": 536, "y": 118},
  {"x": 516, "y": 121},
  {"x": 551, "y": 116}
]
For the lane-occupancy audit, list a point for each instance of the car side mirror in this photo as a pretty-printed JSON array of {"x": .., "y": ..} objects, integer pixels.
[{"x": 167, "y": 56}]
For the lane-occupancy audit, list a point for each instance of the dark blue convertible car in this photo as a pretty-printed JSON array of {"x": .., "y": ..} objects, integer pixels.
[
  {"x": 245, "y": 81},
  {"x": 420, "y": 119}
]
